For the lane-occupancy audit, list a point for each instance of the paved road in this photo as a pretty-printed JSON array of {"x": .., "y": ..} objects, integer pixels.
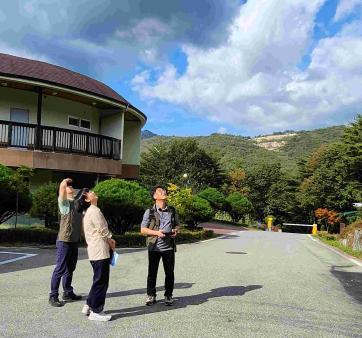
[
  {"x": 220, "y": 228},
  {"x": 248, "y": 284}
]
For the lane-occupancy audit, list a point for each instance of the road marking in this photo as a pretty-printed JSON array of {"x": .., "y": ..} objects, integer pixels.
[
  {"x": 336, "y": 251},
  {"x": 23, "y": 256}
]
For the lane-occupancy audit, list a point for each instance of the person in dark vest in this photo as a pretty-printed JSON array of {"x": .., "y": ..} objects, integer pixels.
[
  {"x": 67, "y": 245},
  {"x": 160, "y": 224}
]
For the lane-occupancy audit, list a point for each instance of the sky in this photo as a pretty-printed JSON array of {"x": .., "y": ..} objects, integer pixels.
[{"x": 200, "y": 67}]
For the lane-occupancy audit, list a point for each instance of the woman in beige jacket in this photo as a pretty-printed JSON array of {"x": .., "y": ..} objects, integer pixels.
[{"x": 99, "y": 243}]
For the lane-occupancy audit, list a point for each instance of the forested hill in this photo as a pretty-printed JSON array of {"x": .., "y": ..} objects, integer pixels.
[{"x": 235, "y": 151}]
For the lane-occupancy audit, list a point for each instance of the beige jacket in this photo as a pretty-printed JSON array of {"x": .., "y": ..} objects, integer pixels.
[{"x": 96, "y": 233}]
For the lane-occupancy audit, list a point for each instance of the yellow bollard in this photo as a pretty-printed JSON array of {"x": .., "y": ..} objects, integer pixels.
[
  {"x": 314, "y": 229},
  {"x": 270, "y": 223}
]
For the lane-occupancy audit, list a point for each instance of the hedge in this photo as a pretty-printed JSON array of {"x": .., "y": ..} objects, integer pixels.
[{"x": 46, "y": 236}]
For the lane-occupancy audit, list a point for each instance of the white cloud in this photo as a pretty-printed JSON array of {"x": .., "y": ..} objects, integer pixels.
[
  {"x": 4, "y": 48},
  {"x": 145, "y": 30},
  {"x": 253, "y": 81},
  {"x": 344, "y": 8},
  {"x": 222, "y": 130}
]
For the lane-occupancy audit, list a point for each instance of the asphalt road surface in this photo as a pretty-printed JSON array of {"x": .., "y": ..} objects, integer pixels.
[{"x": 246, "y": 284}]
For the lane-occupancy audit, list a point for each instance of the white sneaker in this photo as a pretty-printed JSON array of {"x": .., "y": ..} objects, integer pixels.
[
  {"x": 86, "y": 310},
  {"x": 101, "y": 317}
]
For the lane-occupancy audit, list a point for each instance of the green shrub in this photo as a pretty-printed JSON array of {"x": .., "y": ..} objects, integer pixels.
[
  {"x": 28, "y": 235},
  {"x": 45, "y": 205},
  {"x": 239, "y": 206},
  {"x": 199, "y": 210},
  {"x": 191, "y": 209},
  {"x": 214, "y": 197},
  {"x": 46, "y": 236},
  {"x": 14, "y": 192},
  {"x": 122, "y": 203}
]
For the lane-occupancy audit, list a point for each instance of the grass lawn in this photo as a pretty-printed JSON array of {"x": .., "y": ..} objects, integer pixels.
[{"x": 332, "y": 240}]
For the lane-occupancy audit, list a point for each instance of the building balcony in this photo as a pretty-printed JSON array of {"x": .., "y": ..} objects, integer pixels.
[
  {"x": 58, "y": 149},
  {"x": 33, "y": 137}
]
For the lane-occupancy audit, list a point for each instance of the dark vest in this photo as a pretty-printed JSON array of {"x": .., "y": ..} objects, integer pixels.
[
  {"x": 70, "y": 225},
  {"x": 155, "y": 225}
]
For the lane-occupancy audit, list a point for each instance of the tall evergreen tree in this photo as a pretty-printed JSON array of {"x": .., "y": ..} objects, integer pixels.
[{"x": 181, "y": 162}]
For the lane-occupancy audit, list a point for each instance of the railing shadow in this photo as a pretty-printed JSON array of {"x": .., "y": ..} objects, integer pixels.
[{"x": 182, "y": 302}]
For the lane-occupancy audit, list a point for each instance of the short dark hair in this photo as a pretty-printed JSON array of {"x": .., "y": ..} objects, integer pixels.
[{"x": 153, "y": 190}]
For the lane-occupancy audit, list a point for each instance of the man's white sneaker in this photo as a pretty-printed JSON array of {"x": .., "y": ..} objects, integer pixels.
[
  {"x": 86, "y": 310},
  {"x": 101, "y": 317}
]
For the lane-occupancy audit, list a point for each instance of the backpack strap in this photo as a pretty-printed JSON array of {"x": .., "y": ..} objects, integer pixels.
[{"x": 154, "y": 219}]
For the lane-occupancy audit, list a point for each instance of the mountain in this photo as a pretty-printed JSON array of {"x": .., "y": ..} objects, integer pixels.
[
  {"x": 287, "y": 148},
  {"x": 147, "y": 134}
]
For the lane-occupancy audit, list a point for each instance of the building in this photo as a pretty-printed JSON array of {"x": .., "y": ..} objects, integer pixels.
[{"x": 62, "y": 123}]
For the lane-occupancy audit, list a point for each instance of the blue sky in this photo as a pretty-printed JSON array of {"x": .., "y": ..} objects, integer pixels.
[{"x": 199, "y": 67}]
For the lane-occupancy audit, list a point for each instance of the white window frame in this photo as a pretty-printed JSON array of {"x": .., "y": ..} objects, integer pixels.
[
  {"x": 80, "y": 124},
  {"x": 76, "y": 118}
]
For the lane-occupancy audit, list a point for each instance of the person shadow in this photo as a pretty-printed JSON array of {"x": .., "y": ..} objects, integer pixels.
[
  {"x": 182, "y": 302},
  {"x": 177, "y": 286}
]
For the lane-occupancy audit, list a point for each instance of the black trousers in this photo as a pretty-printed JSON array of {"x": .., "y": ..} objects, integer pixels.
[
  {"x": 97, "y": 294},
  {"x": 168, "y": 260}
]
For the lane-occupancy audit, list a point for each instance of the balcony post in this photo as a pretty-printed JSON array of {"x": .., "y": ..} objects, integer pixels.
[{"x": 38, "y": 119}]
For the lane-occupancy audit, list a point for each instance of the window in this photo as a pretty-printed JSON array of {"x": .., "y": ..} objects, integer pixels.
[
  {"x": 73, "y": 121},
  {"x": 85, "y": 124},
  {"x": 79, "y": 123}
]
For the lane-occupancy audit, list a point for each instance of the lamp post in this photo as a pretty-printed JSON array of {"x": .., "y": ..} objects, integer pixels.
[{"x": 185, "y": 177}]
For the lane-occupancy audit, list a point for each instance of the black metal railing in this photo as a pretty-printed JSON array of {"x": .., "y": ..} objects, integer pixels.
[{"x": 31, "y": 136}]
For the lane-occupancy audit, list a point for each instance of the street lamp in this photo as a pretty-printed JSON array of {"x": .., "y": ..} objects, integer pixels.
[{"x": 185, "y": 177}]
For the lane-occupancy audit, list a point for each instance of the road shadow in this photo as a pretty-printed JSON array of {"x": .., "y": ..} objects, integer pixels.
[
  {"x": 351, "y": 281},
  {"x": 143, "y": 291},
  {"x": 182, "y": 302},
  {"x": 236, "y": 253},
  {"x": 228, "y": 236}
]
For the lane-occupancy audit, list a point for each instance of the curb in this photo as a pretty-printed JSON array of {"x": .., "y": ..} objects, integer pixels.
[{"x": 337, "y": 251}]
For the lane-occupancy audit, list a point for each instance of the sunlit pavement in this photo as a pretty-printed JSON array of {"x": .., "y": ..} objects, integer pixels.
[{"x": 246, "y": 284}]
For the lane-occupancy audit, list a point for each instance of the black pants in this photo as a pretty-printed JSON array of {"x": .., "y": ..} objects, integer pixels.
[
  {"x": 98, "y": 291},
  {"x": 168, "y": 260},
  {"x": 67, "y": 256}
]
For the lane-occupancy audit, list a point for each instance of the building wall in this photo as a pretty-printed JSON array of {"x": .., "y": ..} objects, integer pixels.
[
  {"x": 55, "y": 109},
  {"x": 13, "y": 98},
  {"x": 132, "y": 142},
  {"x": 112, "y": 125}
]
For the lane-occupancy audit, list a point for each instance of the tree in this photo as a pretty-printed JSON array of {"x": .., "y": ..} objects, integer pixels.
[
  {"x": 214, "y": 197},
  {"x": 122, "y": 203},
  {"x": 199, "y": 210},
  {"x": 167, "y": 163},
  {"x": 283, "y": 203},
  {"x": 353, "y": 149},
  {"x": 259, "y": 180},
  {"x": 15, "y": 197},
  {"x": 330, "y": 185},
  {"x": 237, "y": 178},
  {"x": 191, "y": 209},
  {"x": 329, "y": 217},
  {"x": 45, "y": 204},
  {"x": 239, "y": 206}
]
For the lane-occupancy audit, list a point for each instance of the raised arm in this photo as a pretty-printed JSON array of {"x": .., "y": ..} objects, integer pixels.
[{"x": 63, "y": 188}]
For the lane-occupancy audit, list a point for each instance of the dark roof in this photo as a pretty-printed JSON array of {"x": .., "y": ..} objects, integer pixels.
[{"x": 37, "y": 70}]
